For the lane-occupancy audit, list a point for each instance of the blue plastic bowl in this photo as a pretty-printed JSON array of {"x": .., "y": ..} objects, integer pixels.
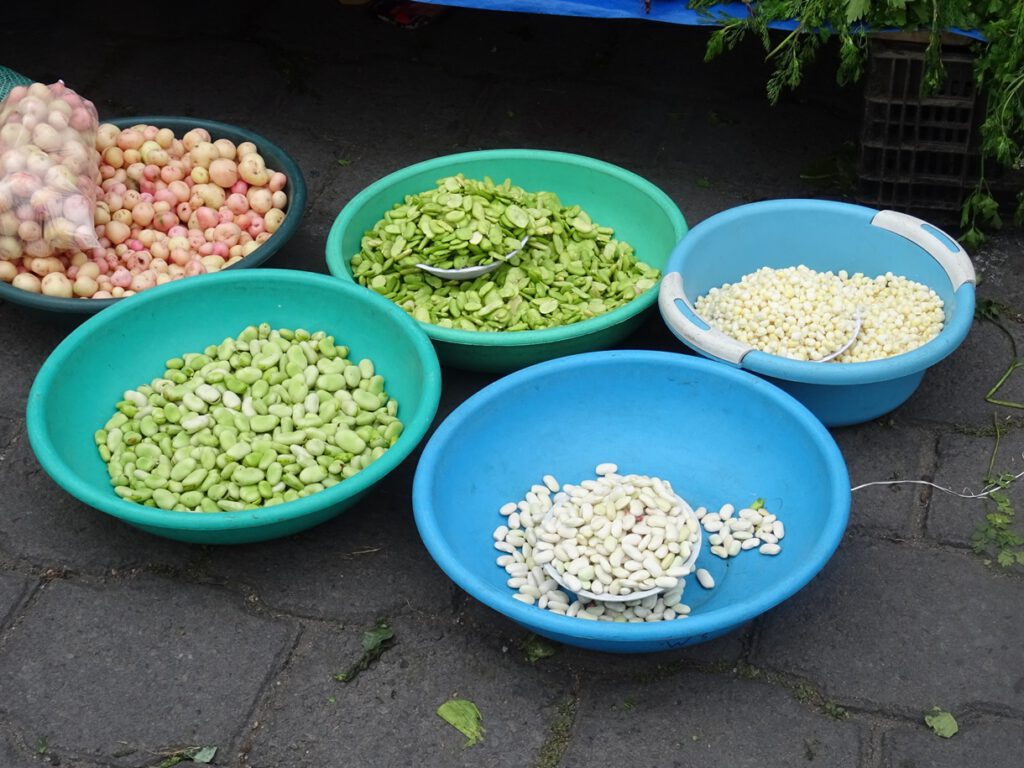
[
  {"x": 127, "y": 345},
  {"x": 822, "y": 235},
  {"x": 717, "y": 434}
]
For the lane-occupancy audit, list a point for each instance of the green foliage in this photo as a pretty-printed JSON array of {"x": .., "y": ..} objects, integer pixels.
[
  {"x": 375, "y": 642},
  {"x": 941, "y": 722},
  {"x": 463, "y": 715},
  {"x": 995, "y": 536},
  {"x": 999, "y": 68},
  {"x": 536, "y": 648}
]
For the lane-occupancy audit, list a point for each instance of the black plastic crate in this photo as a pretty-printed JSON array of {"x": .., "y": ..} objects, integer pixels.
[{"x": 918, "y": 155}]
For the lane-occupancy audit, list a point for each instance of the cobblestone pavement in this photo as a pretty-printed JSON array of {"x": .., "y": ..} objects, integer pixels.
[{"x": 118, "y": 648}]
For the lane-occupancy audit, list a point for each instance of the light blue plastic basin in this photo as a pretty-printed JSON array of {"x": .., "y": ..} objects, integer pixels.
[
  {"x": 822, "y": 235},
  {"x": 716, "y": 433}
]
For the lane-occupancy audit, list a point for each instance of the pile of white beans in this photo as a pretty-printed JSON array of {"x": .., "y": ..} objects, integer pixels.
[
  {"x": 599, "y": 554},
  {"x": 523, "y": 537},
  {"x": 730, "y": 532},
  {"x": 802, "y": 314}
]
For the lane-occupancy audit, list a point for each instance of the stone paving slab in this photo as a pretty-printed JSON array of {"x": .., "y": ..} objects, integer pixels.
[
  {"x": 366, "y": 561},
  {"x": 386, "y": 715},
  {"x": 954, "y": 390},
  {"x": 12, "y": 757},
  {"x": 11, "y": 427},
  {"x": 1000, "y": 270},
  {"x": 46, "y": 527},
  {"x": 13, "y": 589},
  {"x": 137, "y": 666},
  {"x": 21, "y": 359},
  {"x": 713, "y": 720},
  {"x": 897, "y": 628},
  {"x": 963, "y": 462},
  {"x": 879, "y": 451},
  {"x": 991, "y": 742},
  {"x": 496, "y": 629}
]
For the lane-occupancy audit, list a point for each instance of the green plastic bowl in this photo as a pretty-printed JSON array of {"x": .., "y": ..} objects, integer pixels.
[
  {"x": 639, "y": 212},
  {"x": 75, "y": 391},
  {"x": 74, "y": 311}
]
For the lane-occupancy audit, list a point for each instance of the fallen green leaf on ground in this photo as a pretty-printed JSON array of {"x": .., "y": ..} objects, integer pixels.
[
  {"x": 536, "y": 648},
  {"x": 375, "y": 642},
  {"x": 376, "y": 637},
  {"x": 204, "y": 755},
  {"x": 463, "y": 715},
  {"x": 941, "y": 722},
  {"x": 195, "y": 755}
]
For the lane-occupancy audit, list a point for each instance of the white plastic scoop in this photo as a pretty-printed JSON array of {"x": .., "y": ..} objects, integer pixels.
[
  {"x": 471, "y": 273},
  {"x": 858, "y": 319}
]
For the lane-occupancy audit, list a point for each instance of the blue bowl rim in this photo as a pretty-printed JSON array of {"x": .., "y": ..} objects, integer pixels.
[
  {"x": 103, "y": 497},
  {"x": 338, "y": 264},
  {"x": 546, "y": 622},
  {"x": 953, "y": 333},
  {"x": 297, "y": 194}
]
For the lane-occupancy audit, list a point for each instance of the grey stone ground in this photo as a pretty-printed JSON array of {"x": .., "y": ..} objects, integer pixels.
[{"x": 116, "y": 646}]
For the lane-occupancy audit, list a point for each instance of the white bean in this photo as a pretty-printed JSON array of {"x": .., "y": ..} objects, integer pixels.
[{"x": 705, "y": 578}]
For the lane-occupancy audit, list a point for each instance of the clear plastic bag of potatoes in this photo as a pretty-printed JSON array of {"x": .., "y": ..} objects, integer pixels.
[{"x": 49, "y": 172}]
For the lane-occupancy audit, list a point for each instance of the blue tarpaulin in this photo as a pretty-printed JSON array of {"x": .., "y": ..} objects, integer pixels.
[{"x": 670, "y": 11}]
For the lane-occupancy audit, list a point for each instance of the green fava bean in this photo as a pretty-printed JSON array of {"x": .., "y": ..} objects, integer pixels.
[{"x": 215, "y": 432}]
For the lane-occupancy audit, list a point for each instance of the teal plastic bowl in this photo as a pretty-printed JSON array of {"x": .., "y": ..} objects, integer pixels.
[
  {"x": 716, "y": 433},
  {"x": 639, "y": 212},
  {"x": 74, "y": 311},
  {"x": 127, "y": 346}
]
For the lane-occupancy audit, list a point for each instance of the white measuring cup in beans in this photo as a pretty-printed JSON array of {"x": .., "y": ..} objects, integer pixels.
[{"x": 617, "y": 537}]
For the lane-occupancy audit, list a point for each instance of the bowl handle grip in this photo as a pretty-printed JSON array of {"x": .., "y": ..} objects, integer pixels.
[
  {"x": 944, "y": 249},
  {"x": 684, "y": 321}
]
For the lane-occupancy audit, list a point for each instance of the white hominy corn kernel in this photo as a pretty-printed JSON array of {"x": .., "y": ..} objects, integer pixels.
[{"x": 807, "y": 315}]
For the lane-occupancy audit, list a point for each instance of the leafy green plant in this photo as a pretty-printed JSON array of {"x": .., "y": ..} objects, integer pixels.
[
  {"x": 999, "y": 67},
  {"x": 995, "y": 536}
]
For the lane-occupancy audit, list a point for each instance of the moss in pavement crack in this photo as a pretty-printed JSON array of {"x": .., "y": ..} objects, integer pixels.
[{"x": 559, "y": 732}]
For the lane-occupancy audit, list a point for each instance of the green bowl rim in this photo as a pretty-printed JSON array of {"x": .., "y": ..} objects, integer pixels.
[
  {"x": 107, "y": 501},
  {"x": 337, "y": 264},
  {"x": 296, "y": 203}
]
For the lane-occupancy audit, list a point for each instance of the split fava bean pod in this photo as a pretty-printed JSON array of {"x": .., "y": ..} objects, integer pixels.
[
  {"x": 268, "y": 417},
  {"x": 570, "y": 268}
]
